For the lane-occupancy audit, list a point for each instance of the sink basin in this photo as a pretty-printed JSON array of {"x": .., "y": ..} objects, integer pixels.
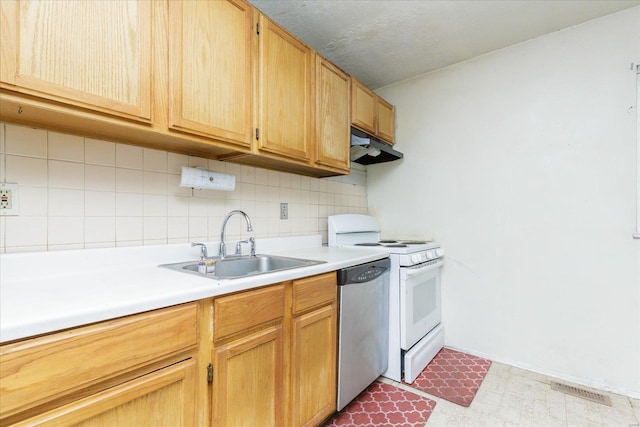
[{"x": 235, "y": 267}]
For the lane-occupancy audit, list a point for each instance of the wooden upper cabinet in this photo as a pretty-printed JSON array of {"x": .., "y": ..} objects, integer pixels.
[
  {"x": 332, "y": 115},
  {"x": 371, "y": 113},
  {"x": 363, "y": 107},
  {"x": 92, "y": 54},
  {"x": 285, "y": 93},
  {"x": 8, "y": 46},
  {"x": 211, "y": 64},
  {"x": 386, "y": 121}
]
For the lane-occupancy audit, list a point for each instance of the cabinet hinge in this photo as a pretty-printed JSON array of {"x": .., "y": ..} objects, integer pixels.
[
  {"x": 210, "y": 373},
  {"x": 258, "y": 28},
  {"x": 257, "y": 133}
]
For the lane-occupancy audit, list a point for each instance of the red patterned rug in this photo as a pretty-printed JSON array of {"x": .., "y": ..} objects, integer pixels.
[
  {"x": 384, "y": 405},
  {"x": 453, "y": 376}
]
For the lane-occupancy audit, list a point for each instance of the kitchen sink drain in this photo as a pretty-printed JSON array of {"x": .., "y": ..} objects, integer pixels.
[{"x": 582, "y": 393}]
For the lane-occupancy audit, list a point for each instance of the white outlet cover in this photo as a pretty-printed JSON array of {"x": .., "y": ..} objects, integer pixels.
[{"x": 15, "y": 207}]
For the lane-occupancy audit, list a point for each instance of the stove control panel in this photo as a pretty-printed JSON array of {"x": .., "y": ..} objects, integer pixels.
[
  {"x": 427, "y": 255},
  {"x": 420, "y": 257}
]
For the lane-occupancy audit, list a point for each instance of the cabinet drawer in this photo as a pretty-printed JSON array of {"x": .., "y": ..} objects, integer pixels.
[
  {"x": 39, "y": 370},
  {"x": 246, "y": 310},
  {"x": 166, "y": 395},
  {"x": 314, "y": 291}
]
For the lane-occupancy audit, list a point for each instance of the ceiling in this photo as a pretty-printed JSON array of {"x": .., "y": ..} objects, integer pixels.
[{"x": 381, "y": 42}]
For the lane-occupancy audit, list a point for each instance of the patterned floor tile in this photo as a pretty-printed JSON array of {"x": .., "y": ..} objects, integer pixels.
[
  {"x": 453, "y": 376},
  {"x": 384, "y": 405}
]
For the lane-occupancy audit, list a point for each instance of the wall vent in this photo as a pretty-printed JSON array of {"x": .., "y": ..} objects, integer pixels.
[{"x": 582, "y": 393}]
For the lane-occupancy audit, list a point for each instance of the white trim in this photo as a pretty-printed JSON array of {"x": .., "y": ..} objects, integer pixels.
[{"x": 636, "y": 235}]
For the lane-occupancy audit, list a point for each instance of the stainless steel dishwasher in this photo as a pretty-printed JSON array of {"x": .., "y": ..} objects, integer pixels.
[{"x": 363, "y": 326}]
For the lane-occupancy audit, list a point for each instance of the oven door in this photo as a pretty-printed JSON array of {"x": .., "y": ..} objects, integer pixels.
[{"x": 419, "y": 301}]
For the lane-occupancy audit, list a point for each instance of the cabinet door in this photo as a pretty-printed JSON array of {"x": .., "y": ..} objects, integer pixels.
[
  {"x": 314, "y": 366},
  {"x": 248, "y": 380},
  {"x": 332, "y": 115},
  {"x": 161, "y": 398},
  {"x": 363, "y": 107},
  {"x": 386, "y": 121},
  {"x": 211, "y": 62},
  {"x": 93, "y": 54},
  {"x": 285, "y": 93}
]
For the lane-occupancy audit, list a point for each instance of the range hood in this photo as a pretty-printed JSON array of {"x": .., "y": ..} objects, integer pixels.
[{"x": 367, "y": 150}]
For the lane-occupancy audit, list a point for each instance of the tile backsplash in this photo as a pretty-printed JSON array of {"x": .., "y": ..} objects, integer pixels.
[{"x": 77, "y": 192}]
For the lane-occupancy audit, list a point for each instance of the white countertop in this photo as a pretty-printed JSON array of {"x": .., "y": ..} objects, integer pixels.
[{"x": 49, "y": 291}]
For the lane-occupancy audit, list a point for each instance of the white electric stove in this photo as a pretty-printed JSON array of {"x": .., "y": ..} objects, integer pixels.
[{"x": 415, "y": 332}]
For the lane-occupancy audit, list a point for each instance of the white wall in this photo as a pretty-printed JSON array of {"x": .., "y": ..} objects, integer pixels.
[{"x": 522, "y": 164}]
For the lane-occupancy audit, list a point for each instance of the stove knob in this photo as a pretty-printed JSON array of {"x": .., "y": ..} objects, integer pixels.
[
  {"x": 415, "y": 258},
  {"x": 439, "y": 252},
  {"x": 430, "y": 255}
]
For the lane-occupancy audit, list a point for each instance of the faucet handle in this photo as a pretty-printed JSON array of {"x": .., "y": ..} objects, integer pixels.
[
  {"x": 251, "y": 241},
  {"x": 239, "y": 246},
  {"x": 203, "y": 249}
]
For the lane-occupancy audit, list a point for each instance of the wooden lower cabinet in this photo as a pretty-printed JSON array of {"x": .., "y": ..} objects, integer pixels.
[
  {"x": 272, "y": 352},
  {"x": 248, "y": 380},
  {"x": 161, "y": 398},
  {"x": 313, "y": 376},
  {"x": 136, "y": 370},
  {"x": 248, "y": 358},
  {"x": 281, "y": 369}
]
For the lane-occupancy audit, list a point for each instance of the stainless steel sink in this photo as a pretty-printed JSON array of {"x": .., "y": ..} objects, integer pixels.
[{"x": 243, "y": 266}]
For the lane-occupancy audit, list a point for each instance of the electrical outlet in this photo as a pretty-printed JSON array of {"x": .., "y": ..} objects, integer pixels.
[
  {"x": 8, "y": 199},
  {"x": 284, "y": 210}
]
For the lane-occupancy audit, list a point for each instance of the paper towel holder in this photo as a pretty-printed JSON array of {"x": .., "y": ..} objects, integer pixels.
[{"x": 202, "y": 179}]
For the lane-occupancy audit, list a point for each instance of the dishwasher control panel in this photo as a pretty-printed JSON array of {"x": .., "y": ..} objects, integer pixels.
[
  {"x": 368, "y": 275},
  {"x": 363, "y": 273}
]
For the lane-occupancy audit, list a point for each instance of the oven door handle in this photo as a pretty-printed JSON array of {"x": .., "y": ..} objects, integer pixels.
[{"x": 414, "y": 271}]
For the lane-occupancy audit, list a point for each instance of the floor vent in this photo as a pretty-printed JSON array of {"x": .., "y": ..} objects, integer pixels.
[{"x": 579, "y": 392}]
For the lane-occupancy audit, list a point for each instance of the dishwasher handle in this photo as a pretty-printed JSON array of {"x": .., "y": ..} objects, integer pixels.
[{"x": 363, "y": 273}]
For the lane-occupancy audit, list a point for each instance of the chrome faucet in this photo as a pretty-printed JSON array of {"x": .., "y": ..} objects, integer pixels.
[
  {"x": 223, "y": 247},
  {"x": 203, "y": 249}
]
